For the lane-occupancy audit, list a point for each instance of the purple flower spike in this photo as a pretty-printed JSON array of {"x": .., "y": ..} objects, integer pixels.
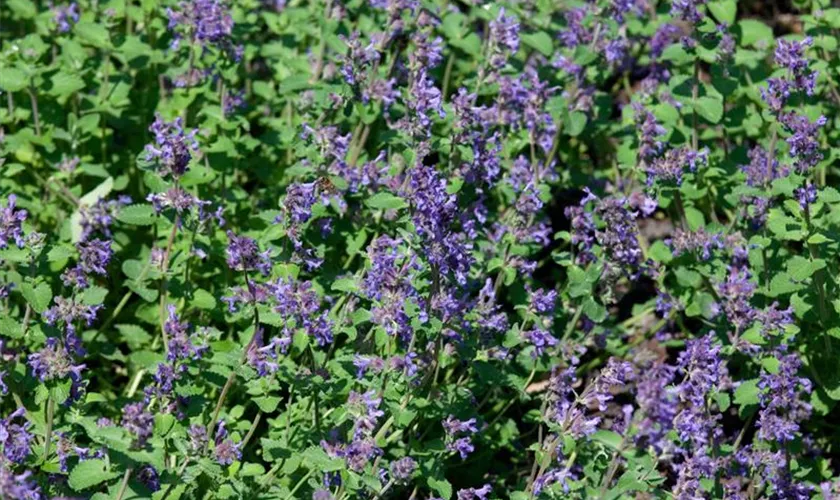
[
  {"x": 10, "y": 223},
  {"x": 243, "y": 254}
]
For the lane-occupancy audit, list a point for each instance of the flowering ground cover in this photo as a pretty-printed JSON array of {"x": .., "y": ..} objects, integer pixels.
[{"x": 419, "y": 249}]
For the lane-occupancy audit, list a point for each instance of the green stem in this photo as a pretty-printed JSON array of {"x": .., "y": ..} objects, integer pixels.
[
  {"x": 299, "y": 484},
  {"x": 819, "y": 279},
  {"x": 36, "y": 117},
  {"x": 50, "y": 416},
  {"x": 164, "y": 268},
  {"x": 229, "y": 382},
  {"x": 124, "y": 484}
]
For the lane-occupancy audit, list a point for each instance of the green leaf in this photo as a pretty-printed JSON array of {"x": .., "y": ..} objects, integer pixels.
[
  {"x": 723, "y": 10},
  {"x": 574, "y": 123},
  {"x": 93, "y": 34},
  {"x": 594, "y": 311},
  {"x": 13, "y": 79},
  {"x": 540, "y": 41},
  {"x": 268, "y": 404},
  {"x": 344, "y": 285},
  {"x": 25, "y": 9},
  {"x": 747, "y": 392},
  {"x": 137, "y": 215},
  {"x": 386, "y": 201},
  {"x": 9, "y": 327},
  {"x": 90, "y": 473},
  {"x": 65, "y": 84},
  {"x": 39, "y": 297},
  {"x": 710, "y": 108},
  {"x": 318, "y": 459},
  {"x": 60, "y": 253},
  {"x": 163, "y": 423},
  {"x": 755, "y": 33},
  {"x": 204, "y": 299},
  {"x": 800, "y": 268},
  {"x": 97, "y": 193},
  {"x": 609, "y": 438},
  {"x": 441, "y": 486},
  {"x": 94, "y": 295},
  {"x": 133, "y": 334},
  {"x": 694, "y": 218}
]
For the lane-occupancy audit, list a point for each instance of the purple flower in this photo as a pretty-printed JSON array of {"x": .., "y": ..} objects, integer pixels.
[
  {"x": 583, "y": 228},
  {"x": 65, "y": 16},
  {"x": 540, "y": 339},
  {"x": 100, "y": 216},
  {"x": 615, "y": 374},
  {"x": 197, "y": 435},
  {"x": 262, "y": 358},
  {"x": 459, "y": 435},
  {"x": 804, "y": 140},
  {"x": 619, "y": 237},
  {"x": 94, "y": 256},
  {"x": 428, "y": 51},
  {"x": 783, "y": 401},
  {"x": 543, "y": 301},
  {"x": 776, "y": 93},
  {"x": 226, "y": 451},
  {"x": 790, "y": 54},
  {"x": 139, "y": 422},
  {"x": 670, "y": 168},
  {"x": 665, "y": 35},
  {"x": 175, "y": 198},
  {"x": 736, "y": 292},
  {"x": 243, "y": 254},
  {"x": 762, "y": 170},
  {"x": 205, "y": 21},
  {"x": 686, "y": 10},
  {"x": 657, "y": 401},
  {"x": 774, "y": 320},
  {"x": 434, "y": 213},
  {"x": 475, "y": 494},
  {"x": 615, "y": 51},
  {"x": 402, "y": 469},
  {"x": 407, "y": 365},
  {"x": 10, "y": 223},
  {"x": 18, "y": 486},
  {"x": 806, "y": 195},
  {"x": 15, "y": 438},
  {"x": 365, "y": 363},
  {"x": 233, "y": 101},
  {"x": 299, "y": 201},
  {"x": 553, "y": 476},
  {"x": 422, "y": 98},
  {"x": 257, "y": 293},
  {"x": 649, "y": 132},
  {"x": 703, "y": 371},
  {"x": 67, "y": 311},
  {"x": 53, "y": 362},
  {"x": 689, "y": 473},
  {"x": 365, "y": 409},
  {"x": 149, "y": 477},
  {"x": 356, "y": 455},
  {"x": 504, "y": 39},
  {"x": 322, "y": 494},
  {"x": 360, "y": 58},
  {"x": 575, "y": 32},
  {"x": 700, "y": 242},
  {"x": 454, "y": 426},
  {"x": 181, "y": 343},
  {"x": 173, "y": 149}
]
